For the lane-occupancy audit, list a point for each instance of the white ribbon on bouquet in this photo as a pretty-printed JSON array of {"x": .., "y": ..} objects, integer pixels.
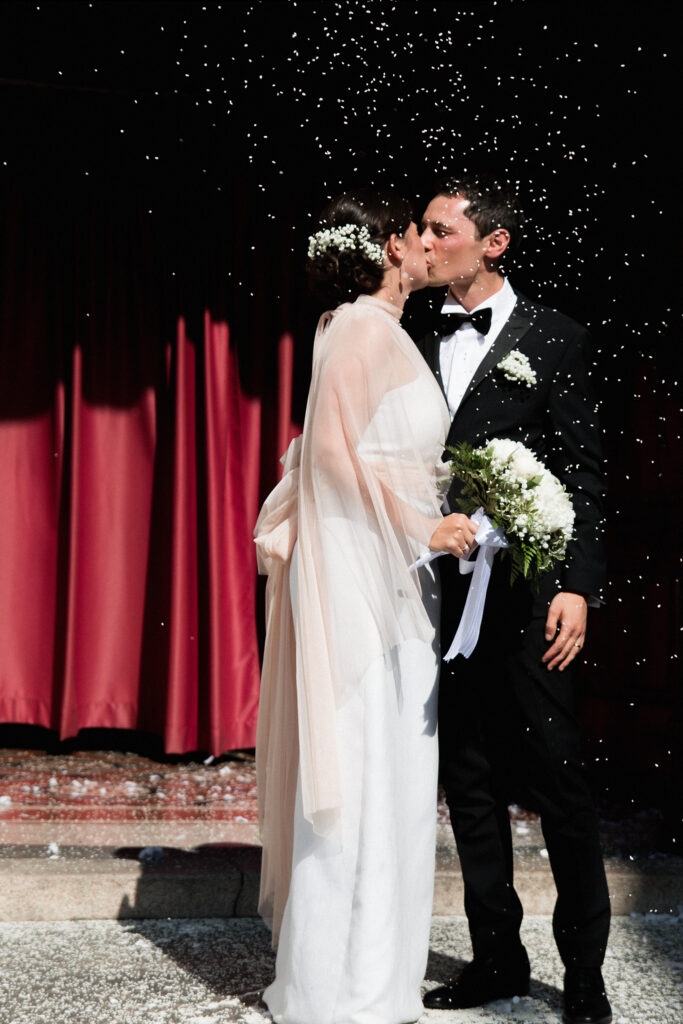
[{"x": 490, "y": 539}]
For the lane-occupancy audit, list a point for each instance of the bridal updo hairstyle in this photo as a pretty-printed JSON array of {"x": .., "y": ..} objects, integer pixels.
[{"x": 338, "y": 276}]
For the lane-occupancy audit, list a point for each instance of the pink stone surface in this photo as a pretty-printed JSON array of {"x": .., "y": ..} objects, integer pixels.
[
  {"x": 104, "y": 797},
  {"x": 109, "y": 786}
]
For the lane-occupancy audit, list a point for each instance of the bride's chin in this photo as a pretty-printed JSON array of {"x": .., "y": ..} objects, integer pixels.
[{"x": 415, "y": 281}]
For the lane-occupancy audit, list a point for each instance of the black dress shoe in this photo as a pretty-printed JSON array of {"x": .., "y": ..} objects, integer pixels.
[
  {"x": 483, "y": 980},
  {"x": 585, "y": 1000}
]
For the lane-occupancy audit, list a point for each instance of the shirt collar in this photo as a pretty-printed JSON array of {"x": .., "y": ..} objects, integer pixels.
[{"x": 494, "y": 302}]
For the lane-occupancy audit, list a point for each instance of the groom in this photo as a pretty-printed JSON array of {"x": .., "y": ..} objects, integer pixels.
[{"x": 507, "y": 724}]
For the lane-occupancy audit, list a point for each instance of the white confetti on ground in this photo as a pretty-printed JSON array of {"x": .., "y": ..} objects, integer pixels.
[{"x": 194, "y": 972}]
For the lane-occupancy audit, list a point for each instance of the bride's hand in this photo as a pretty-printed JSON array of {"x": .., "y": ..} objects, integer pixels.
[{"x": 455, "y": 534}]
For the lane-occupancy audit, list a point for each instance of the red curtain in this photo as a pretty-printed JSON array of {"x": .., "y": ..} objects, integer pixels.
[
  {"x": 92, "y": 675},
  {"x": 131, "y": 471}
]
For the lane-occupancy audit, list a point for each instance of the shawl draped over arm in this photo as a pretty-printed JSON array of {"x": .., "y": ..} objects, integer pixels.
[{"x": 361, "y": 494}]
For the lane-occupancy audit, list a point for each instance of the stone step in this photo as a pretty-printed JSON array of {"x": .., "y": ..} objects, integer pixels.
[{"x": 182, "y": 870}]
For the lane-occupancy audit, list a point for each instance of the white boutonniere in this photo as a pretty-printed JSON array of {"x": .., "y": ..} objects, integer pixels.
[{"x": 516, "y": 366}]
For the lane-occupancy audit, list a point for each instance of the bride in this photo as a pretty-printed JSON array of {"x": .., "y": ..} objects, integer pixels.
[{"x": 347, "y": 746}]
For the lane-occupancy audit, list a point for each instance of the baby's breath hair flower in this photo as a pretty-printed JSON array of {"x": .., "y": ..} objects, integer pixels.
[{"x": 343, "y": 239}]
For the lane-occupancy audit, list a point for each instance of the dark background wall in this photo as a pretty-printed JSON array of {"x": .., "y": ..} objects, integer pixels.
[{"x": 191, "y": 146}]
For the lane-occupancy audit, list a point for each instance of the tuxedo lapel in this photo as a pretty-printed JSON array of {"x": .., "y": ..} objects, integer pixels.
[
  {"x": 433, "y": 353},
  {"x": 421, "y": 318},
  {"x": 518, "y": 323}
]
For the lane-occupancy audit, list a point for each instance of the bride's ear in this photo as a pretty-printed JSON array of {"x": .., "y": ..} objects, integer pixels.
[{"x": 395, "y": 249}]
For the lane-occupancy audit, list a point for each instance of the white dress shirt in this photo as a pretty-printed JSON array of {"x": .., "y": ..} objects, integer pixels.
[{"x": 461, "y": 353}]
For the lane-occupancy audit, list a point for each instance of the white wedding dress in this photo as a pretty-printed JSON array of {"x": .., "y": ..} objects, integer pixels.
[
  {"x": 347, "y": 748},
  {"x": 355, "y": 933}
]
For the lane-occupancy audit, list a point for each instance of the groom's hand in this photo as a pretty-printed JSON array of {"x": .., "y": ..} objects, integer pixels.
[{"x": 566, "y": 625}]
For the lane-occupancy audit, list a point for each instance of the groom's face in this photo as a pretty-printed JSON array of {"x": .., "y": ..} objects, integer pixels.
[{"x": 454, "y": 249}]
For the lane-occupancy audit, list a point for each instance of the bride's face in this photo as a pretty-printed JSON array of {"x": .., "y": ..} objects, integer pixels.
[{"x": 414, "y": 270}]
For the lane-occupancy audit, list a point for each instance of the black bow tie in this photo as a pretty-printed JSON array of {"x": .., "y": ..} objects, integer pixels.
[{"x": 449, "y": 322}]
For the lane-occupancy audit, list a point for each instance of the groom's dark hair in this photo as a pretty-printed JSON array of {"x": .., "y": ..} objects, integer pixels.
[{"x": 492, "y": 204}]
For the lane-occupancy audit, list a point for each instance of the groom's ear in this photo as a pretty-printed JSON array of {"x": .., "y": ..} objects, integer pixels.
[{"x": 498, "y": 242}]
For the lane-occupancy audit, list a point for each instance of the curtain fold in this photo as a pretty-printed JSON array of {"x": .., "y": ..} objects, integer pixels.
[
  {"x": 181, "y": 705},
  {"x": 112, "y": 457},
  {"x": 233, "y": 661},
  {"x": 30, "y": 481}
]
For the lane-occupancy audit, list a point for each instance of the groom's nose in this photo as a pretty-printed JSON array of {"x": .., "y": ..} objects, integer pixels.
[{"x": 427, "y": 238}]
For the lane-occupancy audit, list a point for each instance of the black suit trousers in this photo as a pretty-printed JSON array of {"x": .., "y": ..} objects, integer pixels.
[{"x": 508, "y": 733}]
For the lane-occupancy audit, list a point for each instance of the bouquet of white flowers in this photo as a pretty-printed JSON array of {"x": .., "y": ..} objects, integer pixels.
[{"x": 521, "y": 497}]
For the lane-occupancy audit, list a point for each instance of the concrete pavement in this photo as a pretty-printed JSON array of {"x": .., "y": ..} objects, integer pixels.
[
  {"x": 57, "y": 871},
  {"x": 202, "y": 971}
]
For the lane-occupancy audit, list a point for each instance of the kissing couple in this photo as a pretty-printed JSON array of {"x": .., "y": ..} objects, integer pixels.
[{"x": 348, "y": 749}]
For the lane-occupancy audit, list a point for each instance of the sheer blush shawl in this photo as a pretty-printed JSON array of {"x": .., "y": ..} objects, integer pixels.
[{"x": 361, "y": 493}]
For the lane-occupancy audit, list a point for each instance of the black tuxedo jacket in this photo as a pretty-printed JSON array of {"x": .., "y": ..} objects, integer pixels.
[{"x": 556, "y": 417}]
